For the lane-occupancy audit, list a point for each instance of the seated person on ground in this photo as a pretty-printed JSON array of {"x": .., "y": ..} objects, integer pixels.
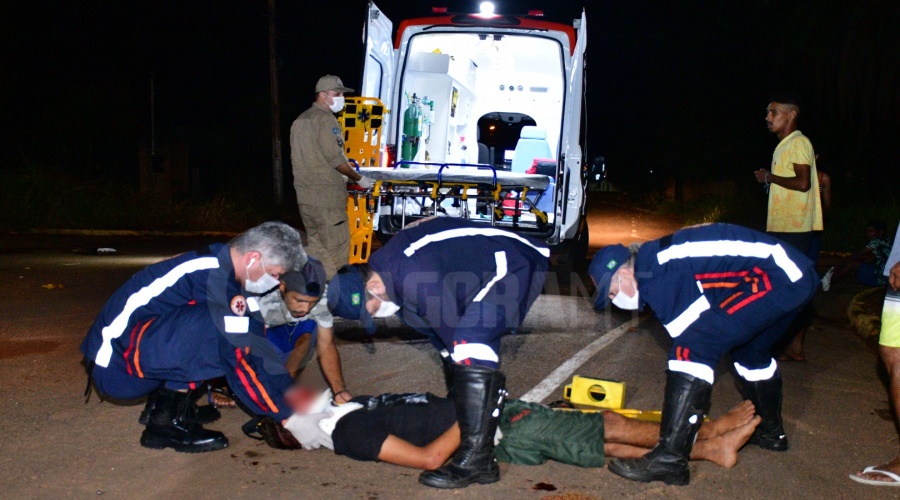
[
  {"x": 420, "y": 431},
  {"x": 868, "y": 263}
]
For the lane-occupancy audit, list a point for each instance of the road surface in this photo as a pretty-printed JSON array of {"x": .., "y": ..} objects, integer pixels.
[{"x": 56, "y": 445}]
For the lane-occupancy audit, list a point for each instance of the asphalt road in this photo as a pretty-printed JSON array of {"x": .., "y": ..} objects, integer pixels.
[{"x": 55, "y": 445}]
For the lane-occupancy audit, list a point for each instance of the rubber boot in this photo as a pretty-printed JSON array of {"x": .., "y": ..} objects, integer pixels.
[
  {"x": 766, "y": 397},
  {"x": 447, "y": 367},
  {"x": 477, "y": 394},
  {"x": 172, "y": 424},
  {"x": 201, "y": 414},
  {"x": 686, "y": 402}
]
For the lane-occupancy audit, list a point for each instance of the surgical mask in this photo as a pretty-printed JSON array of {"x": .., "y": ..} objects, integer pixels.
[
  {"x": 262, "y": 285},
  {"x": 338, "y": 103},
  {"x": 623, "y": 301},
  {"x": 387, "y": 308}
]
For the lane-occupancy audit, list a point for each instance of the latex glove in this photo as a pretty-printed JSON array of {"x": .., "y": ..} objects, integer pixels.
[
  {"x": 365, "y": 182},
  {"x": 307, "y": 431}
]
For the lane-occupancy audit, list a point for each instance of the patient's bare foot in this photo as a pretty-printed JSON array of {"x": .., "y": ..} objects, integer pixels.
[
  {"x": 723, "y": 450},
  {"x": 736, "y": 417}
]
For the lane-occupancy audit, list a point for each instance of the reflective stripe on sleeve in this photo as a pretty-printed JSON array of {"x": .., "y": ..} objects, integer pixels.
[
  {"x": 143, "y": 297},
  {"x": 677, "y": 326}
]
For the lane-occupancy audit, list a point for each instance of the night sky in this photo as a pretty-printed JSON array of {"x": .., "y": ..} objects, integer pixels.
[{"x": 676, "y": 87}]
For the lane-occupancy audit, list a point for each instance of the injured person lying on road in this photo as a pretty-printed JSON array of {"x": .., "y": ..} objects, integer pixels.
[{"x": 421, "y": 431}]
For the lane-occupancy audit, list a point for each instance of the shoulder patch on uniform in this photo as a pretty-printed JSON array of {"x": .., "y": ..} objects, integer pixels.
[
  {"x": 354, "y": 299},
  {"x": 612, "y": 263},
  {"x": 336, "y": 131},
  {"x": 239, "y": 305}
]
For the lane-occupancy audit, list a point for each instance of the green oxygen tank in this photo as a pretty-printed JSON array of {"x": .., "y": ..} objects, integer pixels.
[{"x": 412, "y": 129}]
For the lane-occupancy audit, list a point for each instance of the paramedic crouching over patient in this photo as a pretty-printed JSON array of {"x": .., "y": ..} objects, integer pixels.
[
  {"x": 717, "y": 289},
  {"x": 189, "y": 319},
  {"x": 464, "y": 285}
]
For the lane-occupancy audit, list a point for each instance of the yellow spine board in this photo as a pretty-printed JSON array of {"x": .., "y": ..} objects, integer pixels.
[
  {"x": 360, "y": 217},
  {"x": 362, "y": 122}
]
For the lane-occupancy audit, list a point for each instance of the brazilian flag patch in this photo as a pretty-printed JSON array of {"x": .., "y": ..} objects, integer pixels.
[
  {"x": 354, "y": 299},
  {"x": 612, "y": 264}
]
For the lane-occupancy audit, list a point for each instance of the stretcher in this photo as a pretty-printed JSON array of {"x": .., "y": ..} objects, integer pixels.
[{"x": 422, "y": 189}]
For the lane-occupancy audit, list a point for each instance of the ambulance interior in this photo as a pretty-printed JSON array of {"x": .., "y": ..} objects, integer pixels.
[
  {"x": 492, "y": 99},
  {"x": 468, "y": 97}
]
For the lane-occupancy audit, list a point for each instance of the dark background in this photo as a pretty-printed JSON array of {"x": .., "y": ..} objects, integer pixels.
[{"x": 676, "y": 90}]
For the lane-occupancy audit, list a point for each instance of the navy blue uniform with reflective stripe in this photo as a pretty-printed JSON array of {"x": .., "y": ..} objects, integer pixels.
[
  {"x": 462, "y": 282},
  {"x": 181, "y": 321},
  {"x": 724, "y": 288}
]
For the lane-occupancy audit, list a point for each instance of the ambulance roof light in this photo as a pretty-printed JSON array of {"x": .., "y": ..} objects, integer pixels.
[
  {"x": 486, "y": 8},
  {"x": 439, "y": 10},
  {"x": 536, "y": 13}
]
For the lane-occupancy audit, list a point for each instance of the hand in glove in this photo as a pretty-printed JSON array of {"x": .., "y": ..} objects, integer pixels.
[
  {"x": 365, "y": 182},
  {"x": 307, "y": 431}
]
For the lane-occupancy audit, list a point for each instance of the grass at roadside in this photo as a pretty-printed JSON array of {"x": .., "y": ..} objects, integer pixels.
[{"x": 38, "y": 200}]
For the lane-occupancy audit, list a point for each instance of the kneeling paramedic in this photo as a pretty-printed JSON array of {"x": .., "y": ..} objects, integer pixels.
[
  {"x": 464, "y": 285},
  {"x": 717, "y": 289},
  {"x": 189, "y": 319}
]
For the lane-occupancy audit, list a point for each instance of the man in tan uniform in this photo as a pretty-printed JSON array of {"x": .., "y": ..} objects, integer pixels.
[{"x": 321, "y": 171}]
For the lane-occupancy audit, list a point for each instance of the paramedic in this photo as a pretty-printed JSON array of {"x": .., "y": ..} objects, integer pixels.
[
  {"x": 717, "y": 289},
  {"x": 189, "y": 319},
  {"x": 463, "y": 284}
]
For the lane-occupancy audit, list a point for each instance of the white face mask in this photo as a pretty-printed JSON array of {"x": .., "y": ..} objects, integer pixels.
[
  {"x": 338, "y": 103},
  {"x": 623, "y": 301},
  {"x": 387, "y": 308},
  {"x": 262, "y": 285}
]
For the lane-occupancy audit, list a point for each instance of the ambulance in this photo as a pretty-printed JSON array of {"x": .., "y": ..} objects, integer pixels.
[{"x": 478, "y": 115}]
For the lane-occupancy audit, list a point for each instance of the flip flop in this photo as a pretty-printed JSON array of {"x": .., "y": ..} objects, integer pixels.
[{"x": 895, "y": 479}]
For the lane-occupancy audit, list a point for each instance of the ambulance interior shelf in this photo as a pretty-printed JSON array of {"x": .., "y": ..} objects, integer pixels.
[{"x": 472, "y": 191}]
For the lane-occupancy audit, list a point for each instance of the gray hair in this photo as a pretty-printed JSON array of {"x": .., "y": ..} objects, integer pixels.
[{"x": 279, "y": 244}]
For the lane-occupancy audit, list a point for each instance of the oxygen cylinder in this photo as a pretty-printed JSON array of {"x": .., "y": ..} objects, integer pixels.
[{"x": 412, "y": 129}]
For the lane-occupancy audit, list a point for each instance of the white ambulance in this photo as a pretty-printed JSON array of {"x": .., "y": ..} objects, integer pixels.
[{"x": 483, "y": 121}]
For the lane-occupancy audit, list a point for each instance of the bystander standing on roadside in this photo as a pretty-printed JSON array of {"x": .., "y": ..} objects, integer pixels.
[
  {"x": 795, "y": 206},
  {"x": 889, "y": 347}
]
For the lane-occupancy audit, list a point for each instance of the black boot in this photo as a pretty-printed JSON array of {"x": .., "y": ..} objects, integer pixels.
[
  {"x": 477, "y": 394},
  {"x": 766, "y": 397},
  {"x": 686, "y": 402},
  {"x": 201, "y": 414},
  {"x": 172, "y": 424},
  {"x": 447, "y": 367}
]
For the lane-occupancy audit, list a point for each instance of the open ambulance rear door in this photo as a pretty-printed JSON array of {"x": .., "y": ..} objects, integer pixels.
[
  {"x": 379, "y": 65},
  {"x": 571, "y": 199}
]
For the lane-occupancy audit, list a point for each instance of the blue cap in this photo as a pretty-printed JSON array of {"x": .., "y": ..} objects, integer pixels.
[
  {"x": 309, "y": 280},
  {"x": 347, "y": 297},
  {"x": 604, "y": 264}
]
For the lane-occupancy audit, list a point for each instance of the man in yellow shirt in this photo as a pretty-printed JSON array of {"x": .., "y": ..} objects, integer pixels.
[{"x": 795, "y": 205}]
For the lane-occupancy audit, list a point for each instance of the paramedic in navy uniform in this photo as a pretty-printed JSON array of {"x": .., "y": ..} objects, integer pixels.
[
  {"x": 717, "y": 289},
  {"x": 188, "y": 319},
  {"x": 464, "y": 285}
]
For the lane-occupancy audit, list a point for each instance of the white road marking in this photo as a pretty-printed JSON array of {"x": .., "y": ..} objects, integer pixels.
[{"x": 565, "y": 371}]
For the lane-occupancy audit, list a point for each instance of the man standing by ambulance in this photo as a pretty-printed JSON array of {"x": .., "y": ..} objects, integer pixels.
[{"x": 321, "y": 170}]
